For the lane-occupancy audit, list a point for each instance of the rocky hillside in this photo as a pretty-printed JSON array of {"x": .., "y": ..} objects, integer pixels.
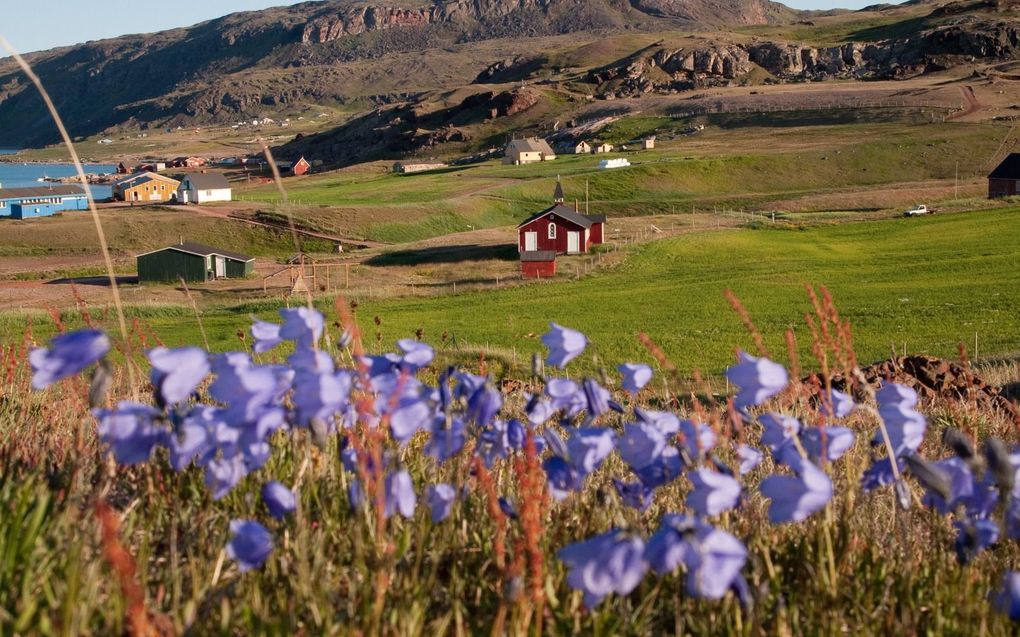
[{"x": 312, "y": 52}]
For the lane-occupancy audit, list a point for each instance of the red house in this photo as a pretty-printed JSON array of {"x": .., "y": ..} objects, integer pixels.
[
  {"x": 560, "y": 229},
  {"x": 1005, "y": 179},
  {"x": 540, "y": 264},
  {"x": 301, "y": 167}
]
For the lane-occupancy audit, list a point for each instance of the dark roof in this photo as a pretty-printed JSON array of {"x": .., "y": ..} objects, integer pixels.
[
  {"x": 576, "y": 218},
  {"x": 207, "y": 181},
  {"x": 1008, "y": 169},
  {"x": 558, "y": 193},
  {"x": 200, "y": 250},
  {"x": 539, "y": 255},
  {"x": 39, "y": 191}
]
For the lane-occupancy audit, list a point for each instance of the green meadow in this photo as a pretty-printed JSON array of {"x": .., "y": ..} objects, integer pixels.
[{"x": 923, "y": 283}]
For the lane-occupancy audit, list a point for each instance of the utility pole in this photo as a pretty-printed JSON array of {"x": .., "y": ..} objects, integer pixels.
[
  {"x": 586, "y": 196},
  {"x": 956, "y": 185}
]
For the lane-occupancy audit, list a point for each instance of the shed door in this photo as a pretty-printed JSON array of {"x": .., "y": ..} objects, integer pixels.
[
  {"x": 573, "y": 242},
  {"x": 221, "y": 268},
  {"x": 530, "y": 241}
]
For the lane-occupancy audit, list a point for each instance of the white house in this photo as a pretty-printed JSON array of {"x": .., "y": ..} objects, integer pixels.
[{"x": 204, "y": 188}]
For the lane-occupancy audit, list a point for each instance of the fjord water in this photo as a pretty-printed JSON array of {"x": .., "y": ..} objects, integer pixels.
[{"x": 18, "y": 175}]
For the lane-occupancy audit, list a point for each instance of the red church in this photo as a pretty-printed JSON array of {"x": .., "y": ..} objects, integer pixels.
[{"x": 560, "y": 229}]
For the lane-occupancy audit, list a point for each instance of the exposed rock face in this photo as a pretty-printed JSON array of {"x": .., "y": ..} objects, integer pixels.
[{"x": 717, "y": 65}]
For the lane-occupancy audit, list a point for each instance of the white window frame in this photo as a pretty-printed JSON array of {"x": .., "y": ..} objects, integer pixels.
[{"x": 551, "y": 233}]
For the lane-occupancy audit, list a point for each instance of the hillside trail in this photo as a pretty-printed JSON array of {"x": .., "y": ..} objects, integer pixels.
[{"x": 972, "y": 104}]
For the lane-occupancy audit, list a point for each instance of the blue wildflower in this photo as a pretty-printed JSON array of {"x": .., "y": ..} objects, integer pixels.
[
  {"x": 974, "y": 536},
  {"x": 67, "y": 355},
  {"x": 223, "y": 474},
  {"x": 597, "y": 399},
  {"x": 249, "y": 545},
  {"x": 447, "y": 438},
  {"x": 484, "y": 405},
  {"x": 609, "y": 563},
  {"x": 712, "y": 557},
  {"x": 416, "y": 354},
  {"x": 635, "y": 377},
  {"x": 441, "y": 498},
  {"x": 749, "y": 458},
  {"x": 835, "y": 440},
  {"x": 1007, "y": 601},
  {"x": 758, "y": 379},
  {"x": 634, "y": 494},
  {"x": 794, "y": 499},
  {"x": 842, "y": 404},
  {"x": 641, "y": 445},
  {"x": 400, "y": 496},
  {"x": 905, "y": 425},
  {"x": 266, "y": 336},
  {"x": 589, "y": 447},
  {"x": 279, "y": 499},
  {"x": 130, "y": 431},
  {"x": 713, "y": 492},
  {"x": 698, "y": 438},
  {"x": 176, "y": 373},
  {"x": 564, "y": 345},
  {"x": 304, "y": 326},
  {"x": 566, "y": 396},
  {"x": 880, "y": 474}
]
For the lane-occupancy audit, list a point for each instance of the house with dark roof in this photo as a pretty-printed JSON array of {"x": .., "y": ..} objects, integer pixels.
[
  {"x": 41, "y": 201},
  {"x": 560, "y": 229},
  {"x": 193, "y": 262},
  {"x": 204, "y": 188},
  {"x": 528, "y": 151},
  {"x": 540, "y": 264},
  {"x": 1004, "y": 181}
]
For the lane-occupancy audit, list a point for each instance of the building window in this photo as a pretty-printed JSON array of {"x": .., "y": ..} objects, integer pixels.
[{"x": 552, "y": 230}]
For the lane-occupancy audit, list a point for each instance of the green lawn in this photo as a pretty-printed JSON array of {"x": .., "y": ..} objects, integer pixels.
[{"x": 927, "y": 283}]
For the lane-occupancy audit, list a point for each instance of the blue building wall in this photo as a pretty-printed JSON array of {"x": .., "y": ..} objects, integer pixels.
[{"x": 16, "y": 209}]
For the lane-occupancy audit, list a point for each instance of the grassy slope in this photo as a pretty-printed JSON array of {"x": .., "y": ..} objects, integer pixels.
[
  {"x": 929, "y": 283},
  {"x": 715, "y": 169}
]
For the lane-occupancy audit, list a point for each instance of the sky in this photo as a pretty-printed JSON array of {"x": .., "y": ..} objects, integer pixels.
[{"x": 35, "y": 25}]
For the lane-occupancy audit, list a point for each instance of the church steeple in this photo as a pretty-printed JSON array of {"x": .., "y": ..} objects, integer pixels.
[{"x": 558, "y": 193}]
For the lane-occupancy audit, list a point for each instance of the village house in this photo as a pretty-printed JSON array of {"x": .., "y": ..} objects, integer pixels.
[
  {"x": 648, "y": 143},
  {"x": 145, "y": 187},
  {"x": 192, "y": 262},
  {"x": 528, "y": 151},
  {"x": 204, "y": 188},
  {"x": 1004, "y": 181},
  {"x": 43, "y": 201},
  {"x": 560, "y": 229},
  {"x": 603, "y": 148},
  {"x": 300, "y": 167}
]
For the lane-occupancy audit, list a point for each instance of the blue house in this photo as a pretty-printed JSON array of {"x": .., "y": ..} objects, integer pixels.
[{"x": 26, "y": 203}]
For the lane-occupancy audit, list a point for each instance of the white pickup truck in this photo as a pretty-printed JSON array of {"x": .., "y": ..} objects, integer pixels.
[{"x": 917, "y": 211}]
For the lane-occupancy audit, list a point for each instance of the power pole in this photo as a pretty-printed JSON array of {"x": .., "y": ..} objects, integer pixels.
[{"x": 586, "y": 196}]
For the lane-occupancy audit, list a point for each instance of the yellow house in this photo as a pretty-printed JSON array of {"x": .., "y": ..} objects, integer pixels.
[
  {"x": 146, "y": 187},
  {"x": 528, "y": 151}
]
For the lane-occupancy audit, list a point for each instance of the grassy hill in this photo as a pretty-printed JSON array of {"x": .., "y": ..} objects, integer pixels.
[{"x": 924, "y": 283}]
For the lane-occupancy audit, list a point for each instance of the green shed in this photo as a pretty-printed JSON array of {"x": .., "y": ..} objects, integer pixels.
[{"x": 193, "y": 262}]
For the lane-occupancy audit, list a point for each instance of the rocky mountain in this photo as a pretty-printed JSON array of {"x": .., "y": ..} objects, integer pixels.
[{"x": 311, "y": 52}]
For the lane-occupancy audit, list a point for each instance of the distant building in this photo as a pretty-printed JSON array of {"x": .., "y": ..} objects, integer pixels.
[
  {"x": 188, "y": 162},
  {"x": 204, "y": 188},
  {"x": 539, "y": 264},
  {"x": 300, "y": 167},
  {"x": 192, "y": 262},
  {"x": 603, "y": 148},
  {"x": 1004, "y": 181},
  {"x": 560, "y": 229},
  {"x": 618, "y": 162},
  {"x": 648, "y": 143},
  {"x": 146, "y": 187},
  {"x": 406, "y": 169},
  {"x": 43, "y": 201},
  {"x": 528, "y": 151}
]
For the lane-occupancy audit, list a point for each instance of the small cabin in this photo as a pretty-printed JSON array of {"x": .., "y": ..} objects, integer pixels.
[
  {"x": 528, "y": 151},
  {"x": 648, "y": 143},
  {"x": 1004, "y": 181},
  {"x": 539, "y": 264},
  {"x": 146, "y": 187},
  {"x": 192, "y": 262},
  {"x": 300, "y": 167}
]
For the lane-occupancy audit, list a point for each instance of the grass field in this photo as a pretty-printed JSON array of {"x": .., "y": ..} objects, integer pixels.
[
  {"x": 741, "y": 161},
  {"x": 926, "y": 284}
]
